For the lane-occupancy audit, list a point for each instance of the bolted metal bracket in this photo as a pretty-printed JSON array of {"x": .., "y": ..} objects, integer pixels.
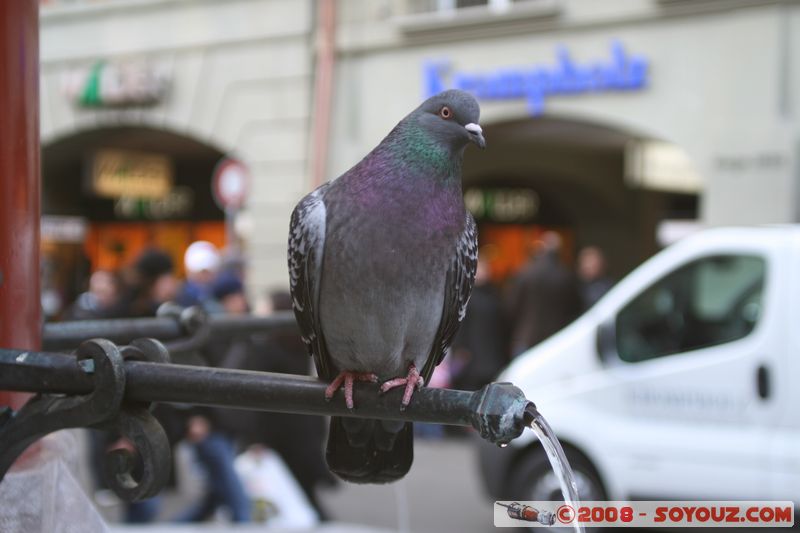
[
  {"x": 498, "y": 412},
  {"x": 102, "y": 408},
  {"x": 133, "y": 479},
  {"x": 194, "y": 321}
]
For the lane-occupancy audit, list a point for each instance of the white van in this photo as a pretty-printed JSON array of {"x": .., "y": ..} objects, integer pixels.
[{"x": 683, "y": 382}]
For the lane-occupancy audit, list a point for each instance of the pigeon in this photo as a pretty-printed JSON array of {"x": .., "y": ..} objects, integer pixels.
[{"x": 381, "y": 265}]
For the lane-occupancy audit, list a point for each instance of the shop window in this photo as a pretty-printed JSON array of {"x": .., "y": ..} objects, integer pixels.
[
  {"x": 470, "y": 3},
  {"x": 708, "y": 302}
]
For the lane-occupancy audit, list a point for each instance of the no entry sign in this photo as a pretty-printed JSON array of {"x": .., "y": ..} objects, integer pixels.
[{"x": 230, "y": 184}]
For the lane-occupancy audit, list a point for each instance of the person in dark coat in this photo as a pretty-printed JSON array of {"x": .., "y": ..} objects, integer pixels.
[
  {"x": 150, "y": 283},
  {"x": 592, "y": 273},
  {"x": 100, "y": 301},
  {"x": 216, "y": 433},
  {"x": 299, "y": 439},
  {"x": 545, "y": 297},
  {"x": 147, "y": 284},
  {"x": 481, "y": 347},
  {"x": 201, "y": 261}
]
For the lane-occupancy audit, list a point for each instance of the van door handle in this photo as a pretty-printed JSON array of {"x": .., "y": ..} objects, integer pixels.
[{"x": 762, "y": 382}]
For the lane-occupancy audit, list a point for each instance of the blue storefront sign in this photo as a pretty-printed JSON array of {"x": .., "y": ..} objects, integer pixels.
[{"x": 619, "y": 72}]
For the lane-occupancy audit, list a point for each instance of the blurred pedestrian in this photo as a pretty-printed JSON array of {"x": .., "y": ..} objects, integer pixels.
[
  {"x": 146, "y": 285},
  {"x": 202, "y": 262},
  {"x": 102, "y": 301},
  {"x": 214, "y": 433},
  {"x": 150, "y": 283},
  {"x": 592, "y": 274},
  {"x": 544, "y": 296},
  {"x": 208, "y": 431},
  {"x": 233, "y": 262},
  {"x": 99, "y": 301},
  {"x": 481, "y": 346},
  {"x": 297, "y": 438},
  {"x": 228, "y": 292}
]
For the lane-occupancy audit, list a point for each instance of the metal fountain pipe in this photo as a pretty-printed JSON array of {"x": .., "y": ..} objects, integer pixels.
[
  {"x": 112, "y": 387},
  {"x": 177, "y": 324},
  {"x": 68, "y": 335},
  {"x": 497, "y": 412}
]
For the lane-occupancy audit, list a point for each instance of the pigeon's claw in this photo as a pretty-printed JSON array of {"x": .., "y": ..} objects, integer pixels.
[
  {"x": 412, "y": 382},
  {"x": 348, "y": 378}
]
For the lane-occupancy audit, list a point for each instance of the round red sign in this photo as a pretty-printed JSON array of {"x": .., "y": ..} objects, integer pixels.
[{"x": 230, "y": 184}]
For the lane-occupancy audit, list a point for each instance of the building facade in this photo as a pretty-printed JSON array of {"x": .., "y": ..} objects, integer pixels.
[
  {"x": 613, "y": 123},
  {"x": 610, "y": 122},
  {"x": 142, "y": 100}
]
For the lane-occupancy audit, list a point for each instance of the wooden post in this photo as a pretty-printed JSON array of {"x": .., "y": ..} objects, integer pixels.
[{"x": 20, "y": 305}]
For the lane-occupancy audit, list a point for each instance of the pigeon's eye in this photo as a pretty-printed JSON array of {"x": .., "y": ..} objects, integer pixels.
[{"x": 445, "y": 113}]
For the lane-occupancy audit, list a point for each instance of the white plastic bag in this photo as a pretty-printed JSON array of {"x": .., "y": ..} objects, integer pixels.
[
  {"x": 44, "y": 497},
  {"x": 277, "y": 498}
]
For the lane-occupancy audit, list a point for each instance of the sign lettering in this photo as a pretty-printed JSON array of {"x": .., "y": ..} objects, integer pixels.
[{"x": 621, "y": 72}]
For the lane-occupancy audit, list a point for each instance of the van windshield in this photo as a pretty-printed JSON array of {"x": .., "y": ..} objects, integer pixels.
[{"x": 707, "y": 302}]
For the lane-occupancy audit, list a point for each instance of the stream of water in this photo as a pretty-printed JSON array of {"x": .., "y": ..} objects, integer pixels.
[{"x": 557, "y": 460}]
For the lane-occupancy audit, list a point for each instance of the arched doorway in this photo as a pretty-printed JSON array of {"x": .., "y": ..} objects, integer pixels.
[
  {"x": 577, "y": 178},
  {"x": 108, "y": 193}
]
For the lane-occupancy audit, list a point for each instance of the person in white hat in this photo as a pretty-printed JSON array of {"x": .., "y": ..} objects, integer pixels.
[{"x": 202, "y": 261}]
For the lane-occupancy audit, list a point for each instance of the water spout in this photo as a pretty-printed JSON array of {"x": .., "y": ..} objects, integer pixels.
[{"x": 558, "y": 460}]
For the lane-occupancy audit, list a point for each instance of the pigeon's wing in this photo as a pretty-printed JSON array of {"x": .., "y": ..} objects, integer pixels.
[
  {"x": 457, "y": 289},
  {"x": 306, "y": 250}
]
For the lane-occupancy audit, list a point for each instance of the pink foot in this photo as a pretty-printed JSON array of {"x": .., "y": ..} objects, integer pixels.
[
  {"x": 412, "y": 382},
  {"x": 348, "y": 378}
]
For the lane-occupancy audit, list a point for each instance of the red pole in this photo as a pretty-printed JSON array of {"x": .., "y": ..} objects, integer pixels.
[{"x": 20, "y": 306}]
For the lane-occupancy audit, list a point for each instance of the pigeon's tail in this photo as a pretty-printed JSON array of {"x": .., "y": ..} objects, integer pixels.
[{"x": 370, "y": 451}]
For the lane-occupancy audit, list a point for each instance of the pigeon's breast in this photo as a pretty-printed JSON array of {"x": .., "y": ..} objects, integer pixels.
[{"x": 382, "y": 286}]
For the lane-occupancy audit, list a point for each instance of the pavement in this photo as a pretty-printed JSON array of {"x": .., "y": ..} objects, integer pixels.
[{"x": 441, "y": 493}]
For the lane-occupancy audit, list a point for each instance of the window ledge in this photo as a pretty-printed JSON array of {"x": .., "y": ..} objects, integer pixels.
[
  {"x": 470, "y": 17},
  {"x": 81, "y": 10}
]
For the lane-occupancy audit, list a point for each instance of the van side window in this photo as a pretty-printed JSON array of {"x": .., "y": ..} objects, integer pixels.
[{"x": 710, "y": 301}]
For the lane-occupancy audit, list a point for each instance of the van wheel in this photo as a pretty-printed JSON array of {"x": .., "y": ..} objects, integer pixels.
[{"x": 532, "y": 478}]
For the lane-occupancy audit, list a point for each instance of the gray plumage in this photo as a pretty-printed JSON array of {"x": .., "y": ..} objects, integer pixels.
[{"x": 381, "y": 264}]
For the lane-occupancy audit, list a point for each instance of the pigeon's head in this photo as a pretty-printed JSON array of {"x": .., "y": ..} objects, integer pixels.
[{"x": 451, "y": 117}]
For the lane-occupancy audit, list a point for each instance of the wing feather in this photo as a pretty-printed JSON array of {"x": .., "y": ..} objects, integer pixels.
[
  {"x": 306, "y": 252},
  {"x": 458, "y": 287}
]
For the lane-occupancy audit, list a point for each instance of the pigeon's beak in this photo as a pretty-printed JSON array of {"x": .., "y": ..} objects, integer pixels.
[{"x": 476, "y": 134}]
